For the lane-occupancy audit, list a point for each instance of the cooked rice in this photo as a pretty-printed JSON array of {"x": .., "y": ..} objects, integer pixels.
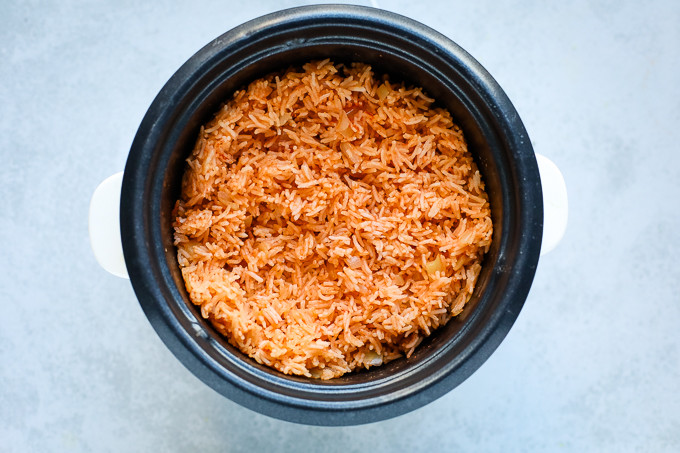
[{"x": 330, "y": 220}]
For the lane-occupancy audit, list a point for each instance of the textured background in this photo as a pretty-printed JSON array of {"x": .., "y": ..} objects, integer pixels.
[{"x": 593, "y": 362}]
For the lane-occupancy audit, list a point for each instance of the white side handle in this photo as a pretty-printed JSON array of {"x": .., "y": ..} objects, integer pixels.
[
  {"x": 104, "y": 226},
  {"x": 555, "y": 203}
]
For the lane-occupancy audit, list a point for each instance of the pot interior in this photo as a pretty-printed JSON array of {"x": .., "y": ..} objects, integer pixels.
[{"x": 401, "y": 67}]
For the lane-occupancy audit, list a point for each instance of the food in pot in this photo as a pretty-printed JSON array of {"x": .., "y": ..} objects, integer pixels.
[{"x": 330, "y": 220}]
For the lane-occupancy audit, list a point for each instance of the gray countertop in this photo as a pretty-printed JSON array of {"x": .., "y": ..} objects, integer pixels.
[{"x": 593, "y": 361}]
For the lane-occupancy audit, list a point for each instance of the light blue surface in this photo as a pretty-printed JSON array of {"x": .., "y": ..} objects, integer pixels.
[{"x": 593, "y": 362}]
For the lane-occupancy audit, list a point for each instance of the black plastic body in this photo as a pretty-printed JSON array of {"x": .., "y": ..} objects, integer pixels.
[{"x": 407, "y": 51}]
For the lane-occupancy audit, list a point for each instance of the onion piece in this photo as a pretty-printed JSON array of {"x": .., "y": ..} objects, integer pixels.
[
  {"x": 372, "y": 358},
  {"x": 344, "y": 126},
  {"x": 382, "y": 92},
  {"x": 436, "y": 265},
  {"x": 354, "y": 262}
]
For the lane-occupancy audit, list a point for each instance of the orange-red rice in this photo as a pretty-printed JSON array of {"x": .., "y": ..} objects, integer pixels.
[{"x": 330, "y": 220}]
